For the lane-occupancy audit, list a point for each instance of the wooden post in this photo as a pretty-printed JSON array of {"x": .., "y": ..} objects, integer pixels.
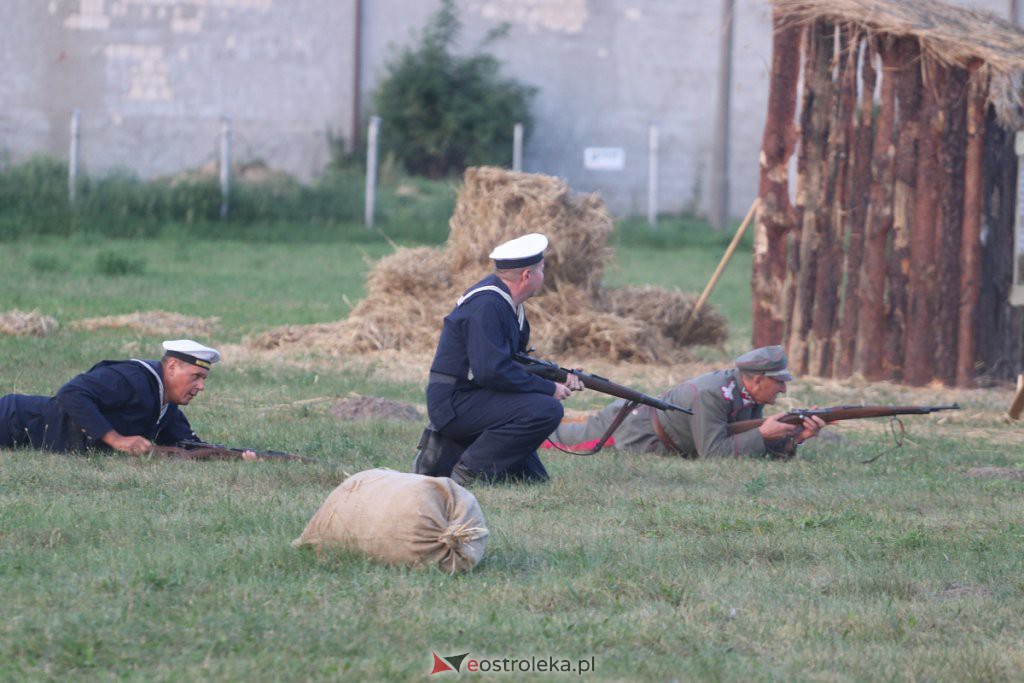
[
  {"x": 860, "y": 185},
  {"x": 811, "y": 165},
  {"x": 775, "y": 215},
  {"x": 821, "y": 344},
  {"x": 1018, "y": 401},
  {"x": 999, "y": 326},
  {"x": 919, "y": 346},
  {"x": 970, "y": 249},
  {"x": 952, "y": 157},
  {"x": 908, "y": 92},
  {"x": 871, "y": 315}
]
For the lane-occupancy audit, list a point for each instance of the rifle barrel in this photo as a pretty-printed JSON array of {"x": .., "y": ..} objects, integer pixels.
[
  {"x": 837, "y": 413},
  {"x": 605, "y": 386}
]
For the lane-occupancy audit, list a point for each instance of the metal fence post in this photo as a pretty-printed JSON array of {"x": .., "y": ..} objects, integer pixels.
[
  {"x": 225, "y": 165},
  {"x": 371, "y": 169},
  {"x": 652, "y": 176},
  {"x": 76, "y": 119},
  {"x": 517, "y": 147},
  {"x": 718, "y": 215}
]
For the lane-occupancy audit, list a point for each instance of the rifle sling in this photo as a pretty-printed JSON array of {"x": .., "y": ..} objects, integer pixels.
[
  {"x": 624, "y": 411},
  {"x": 662, "y": 435}
]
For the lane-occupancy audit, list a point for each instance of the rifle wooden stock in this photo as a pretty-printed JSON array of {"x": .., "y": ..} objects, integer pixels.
[
  {"x": 197, "y": 450},
  {"x": 837, "y": 413},
  {"x": 555, "y": 373}
]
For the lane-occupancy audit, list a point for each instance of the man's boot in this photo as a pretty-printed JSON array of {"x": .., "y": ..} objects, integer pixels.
[
  {"x": 428, "y": 452},
  {"x": 463, "y": 476}
]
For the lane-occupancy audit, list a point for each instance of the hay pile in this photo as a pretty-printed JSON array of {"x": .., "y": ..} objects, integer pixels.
[
  {"x": 152, "y": 323},
  {"x": 410, "y": 291},
  {"x": 24, "y": 323}
]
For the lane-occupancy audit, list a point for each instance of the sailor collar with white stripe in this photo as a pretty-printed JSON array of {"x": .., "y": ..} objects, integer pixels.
[
  {"x": 519, "y": 310},
  {"x": 159, "y": 383}
]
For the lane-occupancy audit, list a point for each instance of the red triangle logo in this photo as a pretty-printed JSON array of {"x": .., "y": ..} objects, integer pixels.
[{"x": 440, "y": 665}]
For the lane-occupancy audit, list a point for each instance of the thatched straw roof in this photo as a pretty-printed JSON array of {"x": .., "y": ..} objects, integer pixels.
[{"x": 952, "y": 35}]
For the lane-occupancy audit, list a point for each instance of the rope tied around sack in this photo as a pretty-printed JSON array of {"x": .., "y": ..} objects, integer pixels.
[
  {"x": 461, "y": 534},
  {"x": 458, "y": 535}
]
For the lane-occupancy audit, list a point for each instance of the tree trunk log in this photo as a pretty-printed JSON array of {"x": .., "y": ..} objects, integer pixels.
[
  {"x": 860, "y": 184},
  {"x": 820, "y": 41},
  {"x": 871, "y": 320},
  {"x": 1000, "y": 326},
  {"x": 904, "y": 166},
  {"x": 821, "y": 344},
  {"x": 948, "y": 240},
  {"x": 919, "y": 348},
  {"x": 775, "y": 215},
  {"x": 970, "y": 250}
]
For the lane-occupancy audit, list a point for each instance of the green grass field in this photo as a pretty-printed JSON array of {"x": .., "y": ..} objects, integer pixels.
[{"x": 659, "y": 569}]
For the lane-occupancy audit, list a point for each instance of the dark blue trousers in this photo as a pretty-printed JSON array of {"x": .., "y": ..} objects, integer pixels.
[
  {"x": 19, "y": 413},
  {"x": 501, "y": 431}
]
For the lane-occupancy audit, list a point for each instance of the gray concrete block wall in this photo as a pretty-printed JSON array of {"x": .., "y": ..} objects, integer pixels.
[{"x": 153, "y": 77}]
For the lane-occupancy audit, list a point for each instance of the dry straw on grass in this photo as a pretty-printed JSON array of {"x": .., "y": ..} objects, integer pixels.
[
  {"x": 410, "y": 291},
  {"x": 152, "y": 323},
  {"x": 24, "y": 323}
]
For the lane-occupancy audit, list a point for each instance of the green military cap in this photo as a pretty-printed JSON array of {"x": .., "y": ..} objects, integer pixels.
[{"x": 769, "y": 361}]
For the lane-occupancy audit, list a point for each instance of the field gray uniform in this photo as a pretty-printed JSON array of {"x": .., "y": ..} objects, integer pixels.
[{"x": 716, "y": 399}]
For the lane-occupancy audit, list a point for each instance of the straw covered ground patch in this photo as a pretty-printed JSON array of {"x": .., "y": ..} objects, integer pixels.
[{"x": 22, "y": 323}]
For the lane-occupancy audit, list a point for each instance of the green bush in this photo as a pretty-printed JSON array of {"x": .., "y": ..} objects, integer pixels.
[
  {"x": 442, "y": 112},
  {"x": 34, "y": 198},
  {"x": 114, "y": 264}
]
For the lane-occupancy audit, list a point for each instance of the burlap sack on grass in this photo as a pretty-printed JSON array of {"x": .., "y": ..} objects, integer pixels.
[{"x": 403, "y": 519}]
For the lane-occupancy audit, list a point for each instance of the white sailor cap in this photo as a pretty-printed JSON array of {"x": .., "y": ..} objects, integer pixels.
[
  {"x": 191, "y": 352},
  {"x": 520, "y": 252}
]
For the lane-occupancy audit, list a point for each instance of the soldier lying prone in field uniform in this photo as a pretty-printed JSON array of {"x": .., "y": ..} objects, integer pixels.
[{"x": 717, "y": 399}]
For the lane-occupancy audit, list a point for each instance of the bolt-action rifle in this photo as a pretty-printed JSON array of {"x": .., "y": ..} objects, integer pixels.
[
  {"x": 200, "y": 450},
  {"x": 837, "y": 413},
  {"x": 552, "y": 371}
]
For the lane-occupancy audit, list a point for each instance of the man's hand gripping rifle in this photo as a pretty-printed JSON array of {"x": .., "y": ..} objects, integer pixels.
[{"x": 552, "y": 371}]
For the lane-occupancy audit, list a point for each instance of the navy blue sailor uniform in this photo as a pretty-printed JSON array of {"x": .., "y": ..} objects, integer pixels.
[
  {"x": 126, "y": 396},
  {"x": 480, "y": 398}
]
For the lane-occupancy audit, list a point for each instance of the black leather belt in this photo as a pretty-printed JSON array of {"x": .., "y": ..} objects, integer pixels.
[{"x": 441, "y": 378}]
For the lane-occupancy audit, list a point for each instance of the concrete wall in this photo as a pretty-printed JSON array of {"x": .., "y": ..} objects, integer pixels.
[{"x": 153, "y": 77}]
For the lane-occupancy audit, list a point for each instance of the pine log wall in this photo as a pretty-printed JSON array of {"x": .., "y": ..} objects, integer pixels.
[{"x": 894, "y": 259}]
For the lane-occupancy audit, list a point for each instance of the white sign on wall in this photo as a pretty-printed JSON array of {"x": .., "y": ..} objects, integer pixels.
[{"x": 604, "y": 158}]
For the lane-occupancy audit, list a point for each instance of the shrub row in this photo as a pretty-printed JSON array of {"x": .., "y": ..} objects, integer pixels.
[{"x": 34, "y": 201}]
